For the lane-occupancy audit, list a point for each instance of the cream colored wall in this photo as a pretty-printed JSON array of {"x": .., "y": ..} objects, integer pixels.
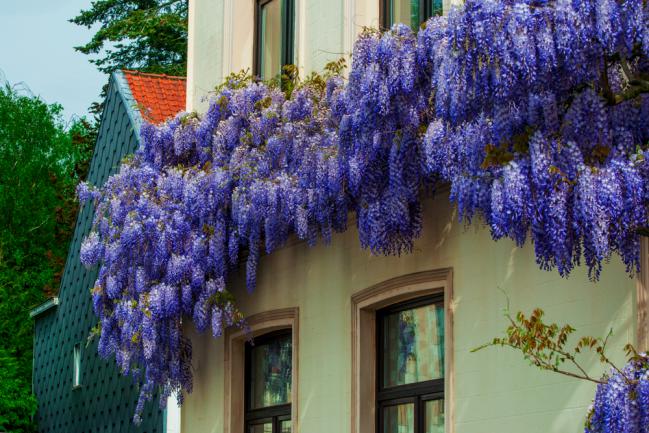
[
  {"x": 221, "y": 38},
  {"x": 495, "y": 391},
  {"x": 204, "y": 51}
]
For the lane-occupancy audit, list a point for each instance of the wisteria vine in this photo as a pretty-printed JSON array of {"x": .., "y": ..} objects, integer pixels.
[
  {"x": 534, "y": 111},
  {"x": 621, "y": 402}
]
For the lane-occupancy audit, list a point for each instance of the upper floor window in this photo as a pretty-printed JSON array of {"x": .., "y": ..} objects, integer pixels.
[
  {"x": 409, "y": 12},
  {"x": 76, "y": 366},
  {"x": 274, "y": 37},
  {"x": 268, "y": 383},
  {"x": 410, "y": 392}
]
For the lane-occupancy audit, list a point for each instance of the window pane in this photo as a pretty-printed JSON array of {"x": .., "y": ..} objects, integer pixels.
[
  {"x": 437, "y": 7},
  {"x": 76, "y": 378},
  {"x": 434, "y": 416},
  {"x": 399, "y": 419},
  {"x": 413, "y": 342},
  {"x": 285, "y": 426},
  {"x": 261, "y": 428},
  {"x": 270, "y": 373},
  {"x": 406, "y": 12},
  {"x": 271, "y": 39}
]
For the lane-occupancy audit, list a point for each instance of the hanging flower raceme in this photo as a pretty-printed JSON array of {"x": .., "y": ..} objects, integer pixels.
[
  {"x": 169, "y": 226},
  {"x": 532, "y": 110},
  {"x": 539, "y": 125},
  {"x": 385, "y": 105},
  {"x": 621, "y": 401}
]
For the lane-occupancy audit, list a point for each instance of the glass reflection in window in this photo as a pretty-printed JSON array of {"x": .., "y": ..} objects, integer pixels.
[
  {"x": 434, "y": 418},
  {"x": 413, "y": 345},
  {"x": 270, "y": 373},
  {"x": 399, "y": 418},
  {"x": 261, "y": 428},
  {"x": 410, "y": 12},
  {"x": 271, "y": 39},
  {"x": 285, "y": 426}
]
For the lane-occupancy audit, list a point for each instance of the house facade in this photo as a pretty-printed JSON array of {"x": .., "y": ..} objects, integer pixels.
[
  {"x": 347, "y": 342},
  {"x": 77, "y": 390}
]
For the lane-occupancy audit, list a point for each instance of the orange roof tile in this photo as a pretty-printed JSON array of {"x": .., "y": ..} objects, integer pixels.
[{"x": 158, "y": 96}]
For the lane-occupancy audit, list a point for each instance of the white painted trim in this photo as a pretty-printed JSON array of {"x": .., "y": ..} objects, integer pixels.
[
  {"x": 239, "y": 23},
  {"x": 228, "y": 40},
  {"x": 173, "y": 415},
  {"x": 299, "y": 52},
  {"x": 45, "y": 306},
  {"x": 190, "y": 102},
  {"x": 238, "y": 36},
  {"x": 349, "y": 34},
  {"x": 356, "y": 15},
  {"x": 642, "y": 298}
]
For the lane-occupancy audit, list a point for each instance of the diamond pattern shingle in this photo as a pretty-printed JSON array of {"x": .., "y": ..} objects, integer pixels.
[{"x": 105, "y": 401}]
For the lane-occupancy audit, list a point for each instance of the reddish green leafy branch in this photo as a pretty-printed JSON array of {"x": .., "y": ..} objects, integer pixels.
[
  {"x": 546, "y": 346},
  {"x": 621, "y": 401}
]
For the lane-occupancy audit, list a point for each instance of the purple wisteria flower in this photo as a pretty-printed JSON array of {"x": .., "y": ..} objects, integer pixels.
[{"x": 519, "y": 105}]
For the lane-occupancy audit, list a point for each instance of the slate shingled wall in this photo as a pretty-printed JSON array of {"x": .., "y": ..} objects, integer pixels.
[{"x": 105, "y": 401}]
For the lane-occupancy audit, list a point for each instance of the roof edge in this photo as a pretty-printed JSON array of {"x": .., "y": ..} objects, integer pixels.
[
  {"x": 128, "y": 100},
  {"x": 44, "y": 307},
  {"x": 150, "y": 74}
]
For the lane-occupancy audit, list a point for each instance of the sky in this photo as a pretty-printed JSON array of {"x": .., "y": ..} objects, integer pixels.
[{"x": 36, "y": 48}]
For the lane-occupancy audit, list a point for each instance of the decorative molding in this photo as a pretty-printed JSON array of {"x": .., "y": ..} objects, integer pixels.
[
  {"x": 234, "y": 371},
  {"x": 300, "y": 43},
  {"x": 238, "y": 36},
  {"x": 190, "y": 102},
  {"x": 227, "y": 41},
  {"x": 356, "y": 15},
  {"x": 364, "y": 306},
  {"x": 171, "y": 421},
  {"x": 642, "y": 298}
]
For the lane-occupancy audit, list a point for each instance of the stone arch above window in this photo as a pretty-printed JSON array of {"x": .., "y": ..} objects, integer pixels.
[
  {"x": 234, "y": 379},
  {"x": 365, "y": 304}
]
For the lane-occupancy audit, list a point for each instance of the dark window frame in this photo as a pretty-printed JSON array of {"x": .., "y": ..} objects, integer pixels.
[
  {"x": 426, "y": 10},
  {"x": 288, "y": 34},
  {"x": 417, "y": 393},
  {"x": 273, "y": 414}
]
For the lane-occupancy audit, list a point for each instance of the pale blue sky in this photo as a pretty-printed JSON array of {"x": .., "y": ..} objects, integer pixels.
[{"x": 36, "y": 43}]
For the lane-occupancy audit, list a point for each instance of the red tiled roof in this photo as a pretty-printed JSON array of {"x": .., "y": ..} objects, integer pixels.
[{"x": 158, "y": 96}]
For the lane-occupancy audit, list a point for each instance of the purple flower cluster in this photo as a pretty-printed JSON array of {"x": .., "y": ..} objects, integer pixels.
[
  {"x": 621, "y": 403},
  {"x": 528, "y": 130},
  {"x": 512, "y": 102},
  {"x": 198, "y": 194},
  {"x": 381, "y": 112}
]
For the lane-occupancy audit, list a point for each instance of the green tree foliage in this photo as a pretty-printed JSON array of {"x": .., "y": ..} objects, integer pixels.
[
  {"x": 41, "y": 161},
  {"x": 148, "y": 35}
]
